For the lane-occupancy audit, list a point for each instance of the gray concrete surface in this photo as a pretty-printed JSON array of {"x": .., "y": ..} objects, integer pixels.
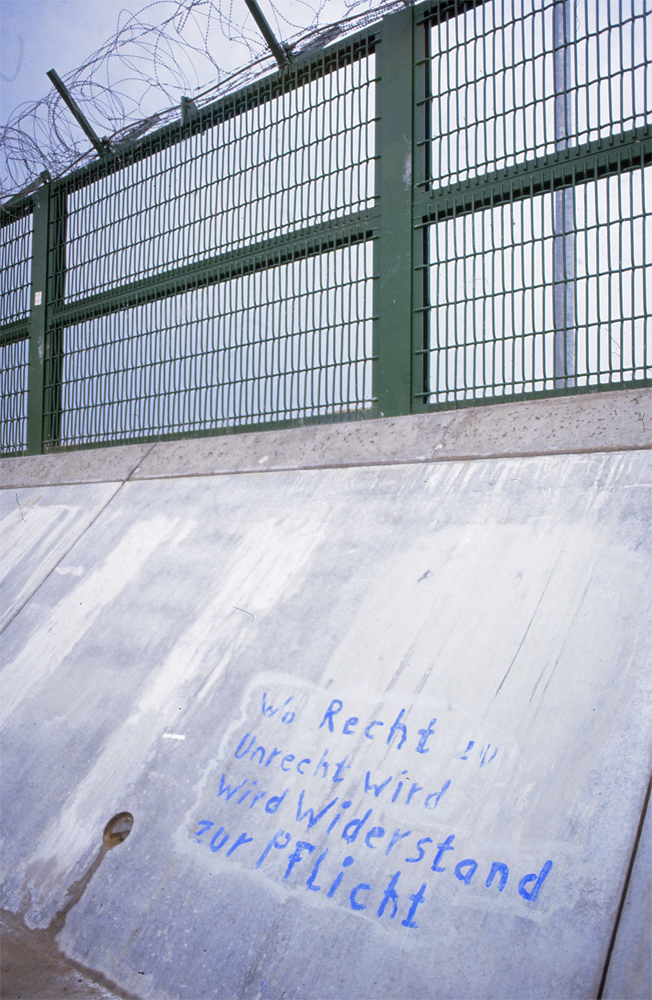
[
  {"x": 629, "y": 975},
  {"x": 252, "y": 666},
  {"x": 51, "y": 523}
]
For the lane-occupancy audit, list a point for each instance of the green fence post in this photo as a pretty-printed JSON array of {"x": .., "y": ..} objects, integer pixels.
[
  {"x": 393, "y": 267},
  {"x": 37, "y": 320},
  {"x": 54, "y": 339}
]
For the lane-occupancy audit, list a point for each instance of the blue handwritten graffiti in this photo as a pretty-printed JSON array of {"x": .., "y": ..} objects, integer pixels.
[
  {"x": 388, "y": 900},
  {"x": 269, "y": 710}
]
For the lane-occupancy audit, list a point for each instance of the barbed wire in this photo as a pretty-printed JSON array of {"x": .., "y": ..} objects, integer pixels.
[{"x": 133, "y": 84}]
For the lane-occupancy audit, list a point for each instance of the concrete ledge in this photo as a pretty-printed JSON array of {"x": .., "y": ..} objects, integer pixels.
[
  {"x": 607, "y": 421},
  {"x": 97, "y": 465}
]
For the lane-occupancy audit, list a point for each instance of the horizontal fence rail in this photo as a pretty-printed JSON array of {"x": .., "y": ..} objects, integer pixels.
[{"x": 450, "y": 208}]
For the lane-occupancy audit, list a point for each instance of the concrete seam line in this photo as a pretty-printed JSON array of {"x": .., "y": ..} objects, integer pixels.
[
  {"x": 68, "y": 550},
  {"x": 623, "y": 897},
  {"x": 140, "y": 461}
]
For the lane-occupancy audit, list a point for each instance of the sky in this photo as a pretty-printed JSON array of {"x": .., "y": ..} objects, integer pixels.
[
  {"x": 38, "y": 35},
  {"x": 203, "y": 43}
]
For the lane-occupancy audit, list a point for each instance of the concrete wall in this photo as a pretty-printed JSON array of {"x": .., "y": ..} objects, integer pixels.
[{"x": 382, "y": 715}]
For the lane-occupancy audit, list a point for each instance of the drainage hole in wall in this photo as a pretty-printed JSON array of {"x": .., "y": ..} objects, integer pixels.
[{"x": 118, "y": 829}]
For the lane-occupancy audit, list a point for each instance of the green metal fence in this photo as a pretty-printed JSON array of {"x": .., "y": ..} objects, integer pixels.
[{"x": 450, "y": 208}]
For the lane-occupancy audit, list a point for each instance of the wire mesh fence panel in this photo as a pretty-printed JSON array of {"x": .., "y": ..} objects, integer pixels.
[
  {"x": 15, "y": 259},
  {"x": 524, "y": 291},
  {"x": 15, "y": 283},
  {"x": 276, "y": 343},
  {"x": 13, "y": 397},
  {"x": 494, "y": 285},
  {"x": 613, "y": 279},
  {"x": 512, "y": 82},
  {"x": 609, "y": 48},
  {"x": 301, "y": 158},
  {"x": 492, "y": 329}
]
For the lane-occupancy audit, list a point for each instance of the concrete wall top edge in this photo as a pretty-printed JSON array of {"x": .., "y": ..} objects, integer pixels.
[{"x": 607, "y": 421}]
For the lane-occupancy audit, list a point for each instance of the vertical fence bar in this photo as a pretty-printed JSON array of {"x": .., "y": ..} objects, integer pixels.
[
  {"x": 393, "y": 327},
  {"x": 37, "y": 320},
  {"x": 564, "y": 222}
]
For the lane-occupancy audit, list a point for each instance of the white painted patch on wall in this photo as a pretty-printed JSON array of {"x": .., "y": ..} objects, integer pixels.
[
  {"x": 76, "y": 614},
  {"x": 40, "y": 525},
  {"x": 259, "y": 578}
]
